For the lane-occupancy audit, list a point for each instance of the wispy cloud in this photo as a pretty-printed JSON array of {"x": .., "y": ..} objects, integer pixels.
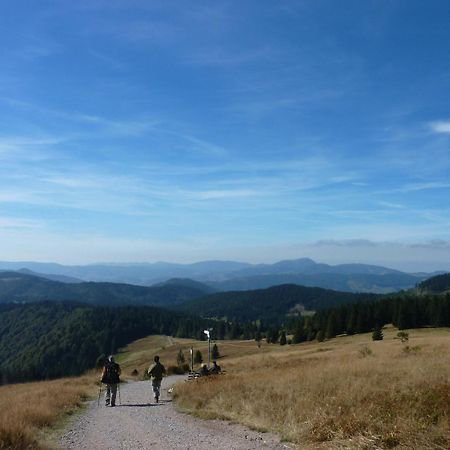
[
  {"x": 15, "y": 223},
  {"x": 442, "y": 126},
  {"x": 423, "y": 186}
]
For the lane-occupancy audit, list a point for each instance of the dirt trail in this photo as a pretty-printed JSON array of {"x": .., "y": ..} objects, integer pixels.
[{"x": 139, "y": 423}]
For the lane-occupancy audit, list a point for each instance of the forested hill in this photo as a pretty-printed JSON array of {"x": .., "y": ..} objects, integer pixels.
[
  {"x": 437, "y": 285},
  {"x": 24, "y": 288},
  {"x": 47, "y": 340},
  {"x": 271, "y": 304},
  {"x": 404, "y": 311}
]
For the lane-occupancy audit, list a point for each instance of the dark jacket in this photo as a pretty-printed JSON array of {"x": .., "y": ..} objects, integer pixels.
[
  {"x": 111, "y": 373},
  {"x": 156, "y": 371}
]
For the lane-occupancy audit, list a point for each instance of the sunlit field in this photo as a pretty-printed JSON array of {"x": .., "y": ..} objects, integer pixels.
[
  {"x": 139, "y": 355},
  {"x": 28, "y": 410},
  {"x": 347, "y": 393}
]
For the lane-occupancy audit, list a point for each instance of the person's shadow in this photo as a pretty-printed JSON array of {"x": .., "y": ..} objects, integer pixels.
[{"x": 145, "y": 405}]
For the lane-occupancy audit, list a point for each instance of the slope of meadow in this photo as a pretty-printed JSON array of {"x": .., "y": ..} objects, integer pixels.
[
  {"x": 348, "y": 393},
  {"x": 30, "y": 409}
]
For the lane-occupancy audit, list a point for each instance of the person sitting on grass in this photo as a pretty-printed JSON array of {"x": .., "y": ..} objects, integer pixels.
[
  {"x": 204, "y": 370},
  {"x": 215, "y": 369}
]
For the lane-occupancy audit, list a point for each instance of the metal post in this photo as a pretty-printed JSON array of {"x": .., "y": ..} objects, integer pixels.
[
  {"x": 209, "y": 351},
  {"x": 192, "y": 358}
]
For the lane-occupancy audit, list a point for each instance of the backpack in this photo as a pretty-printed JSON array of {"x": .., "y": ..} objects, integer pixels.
[
  {"x": 111, "y": 373},
  {"x": 157, "y": 371}
]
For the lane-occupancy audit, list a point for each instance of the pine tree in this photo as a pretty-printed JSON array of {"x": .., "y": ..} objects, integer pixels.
[
  {"x": 299, "y": 333},
  {"x": 283, "y": 340},
  {"x": 198, "y": 358},
  {"x": 215, "y": 352},
  {"x": 258, "y": 338},
  {"x": 320, "y": 336},
  {"x": 377, "y": 334},
  {"x": 180, "y": 358}
]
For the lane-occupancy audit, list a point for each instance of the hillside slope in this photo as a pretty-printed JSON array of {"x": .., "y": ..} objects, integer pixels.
[
  {"x": 47, "y": 340},
  {"x": 272, "y": 304},
  {"x": 357, "y": 282},
  {"x": 439, "y": 284}
]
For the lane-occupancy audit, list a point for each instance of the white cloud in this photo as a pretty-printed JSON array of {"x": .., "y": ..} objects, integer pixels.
[{"x": 440, "y": 126}]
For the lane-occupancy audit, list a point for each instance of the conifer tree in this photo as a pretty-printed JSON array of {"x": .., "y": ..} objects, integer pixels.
[
  {"x": 377, "y": 334},
  {"x": 180, "y": 358},
  {"x": 283, "y": 340},
  {"x": 198, "y": 358},
  {"x": 215, "y": 352},
  {"x": 299, "y": 333},
  {"x": 320, "y": 336}
]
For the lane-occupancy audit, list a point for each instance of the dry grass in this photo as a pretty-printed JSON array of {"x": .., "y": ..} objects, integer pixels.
[
  {"x": 139, "y": 355},
  {"x": 330, "y": 395},
  {"x": 28, "y": 409}
]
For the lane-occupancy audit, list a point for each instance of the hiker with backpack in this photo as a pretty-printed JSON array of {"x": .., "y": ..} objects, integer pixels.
[
  {"x": 156, "y": 372},
  {"x": 111, "y": 377}
]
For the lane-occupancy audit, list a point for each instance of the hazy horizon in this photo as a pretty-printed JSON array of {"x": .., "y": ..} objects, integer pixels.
[{"x": 427, "y": 257}]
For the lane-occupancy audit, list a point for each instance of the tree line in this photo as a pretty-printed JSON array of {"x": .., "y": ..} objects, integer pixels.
[{"x": 403, "y": 311}]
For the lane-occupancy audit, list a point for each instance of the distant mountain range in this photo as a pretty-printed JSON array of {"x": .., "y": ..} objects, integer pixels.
[
  {"x": 16, "y": 287},
  {"x": 230, "y": 275}
]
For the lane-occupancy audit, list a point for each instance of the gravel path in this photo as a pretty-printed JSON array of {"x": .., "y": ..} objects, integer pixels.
[{"x": 139, "y": 424}]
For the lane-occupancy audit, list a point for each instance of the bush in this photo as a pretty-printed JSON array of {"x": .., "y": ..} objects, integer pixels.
[
  {"x": 178, "y": 370},
  {"x": 407, "y": 349}
]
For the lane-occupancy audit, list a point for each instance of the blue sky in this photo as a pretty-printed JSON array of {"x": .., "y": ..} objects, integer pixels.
[{"x": 139, "y": 130}]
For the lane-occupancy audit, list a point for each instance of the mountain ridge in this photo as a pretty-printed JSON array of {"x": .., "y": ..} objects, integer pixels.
[{"x": 216, "y": 271}]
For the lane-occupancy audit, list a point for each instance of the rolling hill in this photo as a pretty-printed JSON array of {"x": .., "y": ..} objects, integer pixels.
[
  {"x": 440, "y": 284},
  {"x": 54, "y": 339},
  {"x": 231, "y": 275},
  {"x": 271, "y": 304},
  {"x": 357, "y": 282},
  {"x": 23, "y": 288}
]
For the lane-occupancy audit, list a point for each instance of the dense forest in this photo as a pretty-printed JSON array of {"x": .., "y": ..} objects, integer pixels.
[
  {"x": 436, "y": 284},
  {"x": 48, "y": 340},
  {"x": 403, "y": 311},
  {"x": 270, "y": 305}
]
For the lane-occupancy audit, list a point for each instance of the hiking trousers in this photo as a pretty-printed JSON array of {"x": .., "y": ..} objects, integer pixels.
[
  {"x": 156, "y": 386},
  {"x": 110, "y": 395}
]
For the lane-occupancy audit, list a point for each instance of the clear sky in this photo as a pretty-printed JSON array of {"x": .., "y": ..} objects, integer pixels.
[{"x": 144, "y": 130}]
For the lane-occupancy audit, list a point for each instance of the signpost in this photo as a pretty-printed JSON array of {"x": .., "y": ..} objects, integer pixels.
[{"x": 208, "y": 335}]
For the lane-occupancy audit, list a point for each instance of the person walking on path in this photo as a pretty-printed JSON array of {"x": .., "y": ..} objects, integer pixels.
[
  {"x": 156, "y": 371},
  {"x": 111, "y": 377}
]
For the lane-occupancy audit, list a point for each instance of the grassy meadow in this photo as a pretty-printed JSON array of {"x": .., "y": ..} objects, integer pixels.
[
  {"x": 139, "y": 355},
  {"x": 347, "y": 393},
  {"x": 29, "y": 410}
]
